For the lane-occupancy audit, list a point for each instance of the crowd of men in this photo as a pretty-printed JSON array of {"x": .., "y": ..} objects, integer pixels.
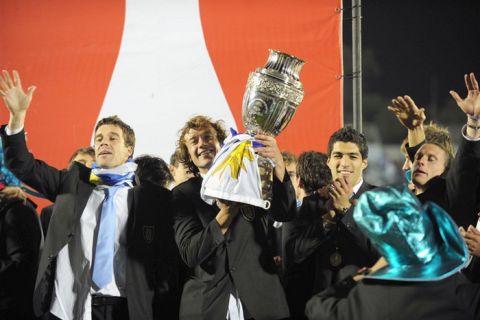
[{"x": 131, "y": 238}]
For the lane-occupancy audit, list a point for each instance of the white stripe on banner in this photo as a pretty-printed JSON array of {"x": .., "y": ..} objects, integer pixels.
[{"x": 163, "y": 74}]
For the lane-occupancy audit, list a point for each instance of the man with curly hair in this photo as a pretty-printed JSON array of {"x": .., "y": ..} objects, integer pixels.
[{"x": 232, "y": 271}]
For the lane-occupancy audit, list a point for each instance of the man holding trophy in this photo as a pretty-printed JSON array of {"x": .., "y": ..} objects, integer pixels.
[{"x": 221, "y": 215}]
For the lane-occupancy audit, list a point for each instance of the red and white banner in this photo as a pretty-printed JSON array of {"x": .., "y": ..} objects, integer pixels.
[{"x": 155, "y": 63}]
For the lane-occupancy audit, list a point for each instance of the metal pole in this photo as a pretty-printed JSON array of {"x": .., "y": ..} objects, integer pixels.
[{"x": 357, "y": 63}]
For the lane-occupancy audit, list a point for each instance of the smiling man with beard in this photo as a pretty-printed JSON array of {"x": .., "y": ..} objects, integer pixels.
[{"x": 232, "y": 272}]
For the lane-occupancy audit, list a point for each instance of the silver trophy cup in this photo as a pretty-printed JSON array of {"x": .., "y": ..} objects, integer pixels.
[{"x": 271, "y": 98}]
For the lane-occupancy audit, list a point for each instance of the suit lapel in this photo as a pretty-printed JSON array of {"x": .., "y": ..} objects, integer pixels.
[
  {"x": 363, "y": 188},
  {"x": 84, "y": 191}
]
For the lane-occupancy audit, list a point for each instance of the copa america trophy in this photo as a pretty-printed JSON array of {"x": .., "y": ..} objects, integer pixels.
[{"x": 271, "y": 98}]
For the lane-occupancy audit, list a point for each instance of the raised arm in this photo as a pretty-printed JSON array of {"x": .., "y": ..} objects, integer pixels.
[
  {"x": 196, "y": 242},
  {"x": 270, "y": 150},
  {"x": 283, "y": 201},
  {"x": 411, "y": 117},
  {"x": 463, "y": 178},
  {"x": 33, "y": 172}
]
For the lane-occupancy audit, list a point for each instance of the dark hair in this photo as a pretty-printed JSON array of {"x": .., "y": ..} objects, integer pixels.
[
  {"x": 197, "y": 123},
  {"x": 128, "y": 133},
  {"x": 85, "y": 150},
  {"x": 152, "y": 171},
  {"x": 313, "y": 171},
  {"x": 348, "y": 134}
]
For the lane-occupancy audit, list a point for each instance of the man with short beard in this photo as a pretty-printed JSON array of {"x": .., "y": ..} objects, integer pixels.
[{"x": 233, "y": 275}]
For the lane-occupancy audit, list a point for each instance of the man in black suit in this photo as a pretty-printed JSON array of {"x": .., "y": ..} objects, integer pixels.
[
  {"x": 85, "y": 273},
  {"x": 347, "y": 158},
  {"x": 323, "y": 238},
  {"x": 233, "y": 274},
  {"x": 417, "y": 277},
  {"x": 20, "y": 239}
]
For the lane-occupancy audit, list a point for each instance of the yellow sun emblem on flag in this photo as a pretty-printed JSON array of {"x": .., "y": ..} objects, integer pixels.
[{"x": 235, "y": 160}]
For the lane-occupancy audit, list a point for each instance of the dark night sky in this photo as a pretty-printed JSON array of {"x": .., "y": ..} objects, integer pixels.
[{"x": 419, "y": 48}]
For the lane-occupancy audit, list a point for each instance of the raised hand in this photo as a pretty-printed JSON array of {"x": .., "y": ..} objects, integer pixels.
[
  {"x": 407, "y": 112},
  {"x": 471, "y": 103},
  {"x": 15, "y": 98}
]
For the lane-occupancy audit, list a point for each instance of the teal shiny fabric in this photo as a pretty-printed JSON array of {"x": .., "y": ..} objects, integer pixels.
[
  {"x": 420, "y": 243},
  {"x": 9, "y": 179},
  {"x": 6, "y": 176}
]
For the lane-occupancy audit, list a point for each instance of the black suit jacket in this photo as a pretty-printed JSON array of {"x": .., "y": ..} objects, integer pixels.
[
  {"x": 151, "y": 250},
  {"x": 309, "y": 248},
  {"x": 242, "y": 257},
  {"x": 20, "y": 239},
  {"x": 448, "y": 299}
]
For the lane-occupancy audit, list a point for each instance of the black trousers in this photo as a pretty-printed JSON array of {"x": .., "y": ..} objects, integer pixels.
[
  {"x": 103, "y": 308},
  {"x": 16, "y": 314},
  {"x": 109, "y": 308}
]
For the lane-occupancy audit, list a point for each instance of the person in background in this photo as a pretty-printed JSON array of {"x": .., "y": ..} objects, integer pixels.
[
  {"x": 85, "y": 156},
  {"x": 20, "y": 241},
  {"x": 291, "y": 165},
  {"x": 304, "y": 235},
  {"x": 180, "y": 172},
  {"x": 152, "y": 171}
]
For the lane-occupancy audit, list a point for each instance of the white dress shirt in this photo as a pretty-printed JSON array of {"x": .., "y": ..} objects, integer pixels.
[{"x": 73, "y": 278}]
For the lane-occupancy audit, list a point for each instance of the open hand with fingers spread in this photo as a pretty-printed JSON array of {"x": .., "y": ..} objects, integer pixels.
[
  {"x": 407, "y": 112},
  {"x": 471, "y": 103},
  {"x": 15, "y": 98}
]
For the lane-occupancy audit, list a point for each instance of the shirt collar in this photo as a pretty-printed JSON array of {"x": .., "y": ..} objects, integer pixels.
[{"x": 357, "y": 186}]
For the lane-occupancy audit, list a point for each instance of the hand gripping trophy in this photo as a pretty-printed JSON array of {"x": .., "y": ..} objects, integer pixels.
[{"x": 271, "y": 98}]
